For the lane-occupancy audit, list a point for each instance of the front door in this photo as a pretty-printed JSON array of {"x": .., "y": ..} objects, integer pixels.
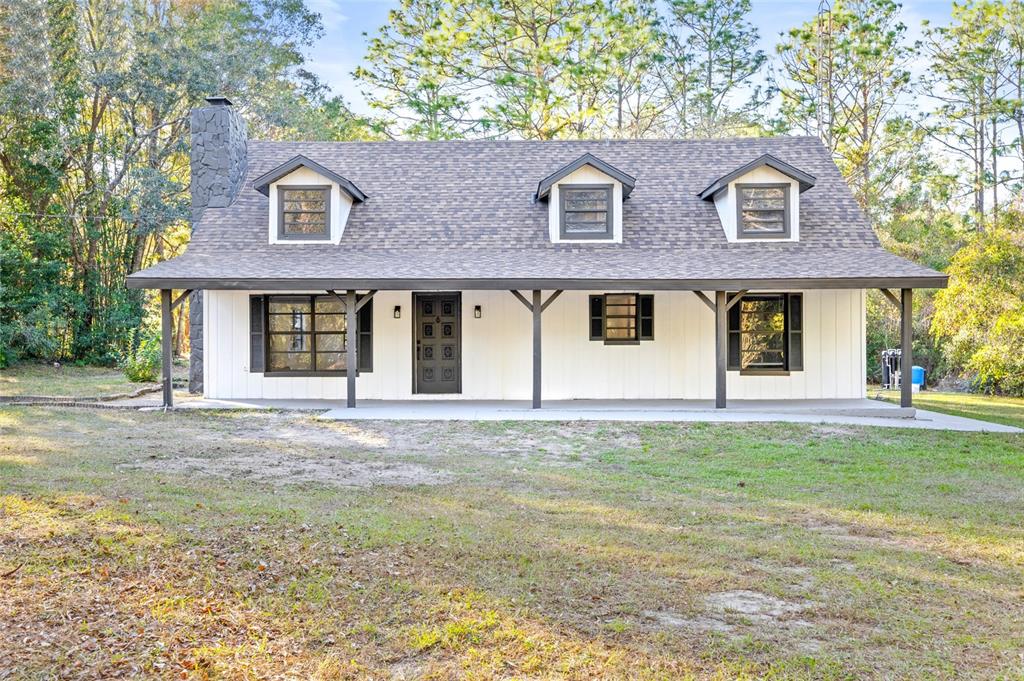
[{"x": 438, "y": 343}]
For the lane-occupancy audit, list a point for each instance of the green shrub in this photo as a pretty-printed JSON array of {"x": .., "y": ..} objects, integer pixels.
[
  {"x": 140, "y": 358},
  {"x": 979, "y": 319},
  {"x": 27, "y": 337}
]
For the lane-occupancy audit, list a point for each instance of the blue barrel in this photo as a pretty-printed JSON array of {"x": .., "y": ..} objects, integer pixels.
[{"x": 917, "y": 376}]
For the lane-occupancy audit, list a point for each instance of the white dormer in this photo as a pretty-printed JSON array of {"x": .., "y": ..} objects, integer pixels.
[
  {"x": 585, "y": 201},
  {"x": 309, "y": 204},
  {"x": 760, "y": 201}
]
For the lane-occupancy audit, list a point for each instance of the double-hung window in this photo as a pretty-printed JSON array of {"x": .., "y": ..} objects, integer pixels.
[
  {"x": 306, "y": 335},
  {"x": 586, "y": 211},
  {"x": 766, "y": 333},
  {"x": 621, "y": 318},
  {"x": 762, "y": 211},
  {"x": 304, "y": 213}
]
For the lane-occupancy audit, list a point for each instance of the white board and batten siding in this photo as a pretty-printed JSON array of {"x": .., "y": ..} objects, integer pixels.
[{"x": 497, "y": 352}]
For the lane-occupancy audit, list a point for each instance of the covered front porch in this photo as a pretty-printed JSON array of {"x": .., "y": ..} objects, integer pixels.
[{"x": 513, "y": 344}]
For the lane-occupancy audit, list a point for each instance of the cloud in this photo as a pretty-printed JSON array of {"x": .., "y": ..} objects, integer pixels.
[{"x": 329, "y": 11}]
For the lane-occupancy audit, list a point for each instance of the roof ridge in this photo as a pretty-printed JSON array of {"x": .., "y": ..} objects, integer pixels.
[{"x": 603, "y": 140}]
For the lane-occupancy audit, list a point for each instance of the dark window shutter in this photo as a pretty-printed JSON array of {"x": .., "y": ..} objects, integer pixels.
[
  {"x": 795, "y": 332},
  {"x": 256, "y": 343},
  {"x": 734, "y": 337},
  {"x": 596, "y": 317},
  {"x": 364, "y": 353},
  {"x": 733, "y": 363},
  {"x": 645, "y": 314}
]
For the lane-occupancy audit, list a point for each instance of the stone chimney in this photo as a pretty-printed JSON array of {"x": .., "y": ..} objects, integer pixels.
[
  {"x": 218, "y": 155},
  {"x": 218, "y": 164}
]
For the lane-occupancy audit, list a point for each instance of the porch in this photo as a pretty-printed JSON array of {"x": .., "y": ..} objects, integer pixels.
[{"x": 503, "y": 353}]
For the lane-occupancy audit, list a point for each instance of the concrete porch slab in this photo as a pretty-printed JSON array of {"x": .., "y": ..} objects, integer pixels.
[{"x": 853, "y": 412}]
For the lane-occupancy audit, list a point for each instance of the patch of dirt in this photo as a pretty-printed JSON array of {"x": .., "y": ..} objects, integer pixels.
[
  {"x": 294, "y": 447},
  {"x": 727, "y": 610},
  {"x": 406, "y": 669},
  {"x": 569, "y": 444},
  {"x": 849, "y": 534},
  {"x": 667, "y": 619},
  {"x": 280, "y": 468},
  {"x": 751, "y": 604},
  {"x": 558, "y": 444}
]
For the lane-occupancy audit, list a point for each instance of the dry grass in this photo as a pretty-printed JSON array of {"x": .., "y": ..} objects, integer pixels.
[{"x": 541, "y": 550}]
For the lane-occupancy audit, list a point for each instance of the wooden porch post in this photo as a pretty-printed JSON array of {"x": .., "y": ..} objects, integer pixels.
[
  {"x": 351, "y": 342},
  {"x": 165, "y": 341},
  {"x": 537, "y": 310},
  {"x": 721, "y": 347},
  {"x": 906, "y": 347}
]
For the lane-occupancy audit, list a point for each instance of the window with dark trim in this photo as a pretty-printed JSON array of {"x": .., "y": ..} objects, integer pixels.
[
  {"x": 766, "y": 333},
  {"x": 304, "y": 212},
  {"x": 621, "y": 318},
  {"x": 305, "y": 336},
  {"x": 762, "y": 211},
  {"x": 585, "y": 211}
]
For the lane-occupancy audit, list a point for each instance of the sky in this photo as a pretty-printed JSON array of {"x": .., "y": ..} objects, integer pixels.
[{"x": 343, "y": 45}]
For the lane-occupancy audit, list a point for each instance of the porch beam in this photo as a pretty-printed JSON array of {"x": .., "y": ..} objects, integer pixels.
[
  {"x": 165, "y": 343},
  {"x": 721, "y": 347},
  {"x": 891, "y": 297},
  {"x": 364, "y": 300},
  {"x": 907, "y": 347},
  {"x": 550, "y": 299},
  {"x": 522, "y": 299},
  {"x": 705, "y": 300},
  {"x": 735, "y": 299},
  {"x": 351, "y": 342},
  {"x": 178, "y": 301},
  {"x": 537, "y": 309}
]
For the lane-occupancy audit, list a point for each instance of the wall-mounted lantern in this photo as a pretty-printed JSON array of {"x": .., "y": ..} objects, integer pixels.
[
  {"x": 398, "y": 311},
  {"x": 478, "y": 312}
]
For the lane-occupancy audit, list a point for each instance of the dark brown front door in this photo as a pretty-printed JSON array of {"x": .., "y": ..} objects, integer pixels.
[{"x": 438, "y": 343}]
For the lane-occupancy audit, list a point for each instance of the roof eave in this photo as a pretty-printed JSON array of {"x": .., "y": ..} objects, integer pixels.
[{"x": 405, "y": 284}]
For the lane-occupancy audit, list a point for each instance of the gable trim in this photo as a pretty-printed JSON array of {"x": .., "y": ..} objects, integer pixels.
[
  {"x": 628, "y": 182},
  {"x": 805, "y": 180},
  {"x": 263, "y": 182}
]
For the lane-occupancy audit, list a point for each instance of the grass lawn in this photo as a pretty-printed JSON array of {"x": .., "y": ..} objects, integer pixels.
[
  {"x": 252, "y": 545},
  {"x": 1008, "y": 410},
  {"x": 28, "y": 378}
]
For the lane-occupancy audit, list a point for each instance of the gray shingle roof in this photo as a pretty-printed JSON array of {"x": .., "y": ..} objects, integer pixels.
[{"x": 465, "y": 210}]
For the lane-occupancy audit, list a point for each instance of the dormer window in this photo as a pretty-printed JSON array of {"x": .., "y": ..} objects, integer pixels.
[
  {"x": 309, "y": 204},
  {"x": 586, "y": 211},
  {"x": 760, "y": 200},
  {"x": 304, "y": 212},
  {"x": 585, "y": 201},
  {"x": 762, "y": 211}
]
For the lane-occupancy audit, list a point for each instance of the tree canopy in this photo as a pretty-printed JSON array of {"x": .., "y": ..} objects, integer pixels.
[{"x": 94, "y": 98}]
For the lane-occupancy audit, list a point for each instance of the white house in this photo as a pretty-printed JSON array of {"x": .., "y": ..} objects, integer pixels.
[{"x": 513, "y": 270}]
